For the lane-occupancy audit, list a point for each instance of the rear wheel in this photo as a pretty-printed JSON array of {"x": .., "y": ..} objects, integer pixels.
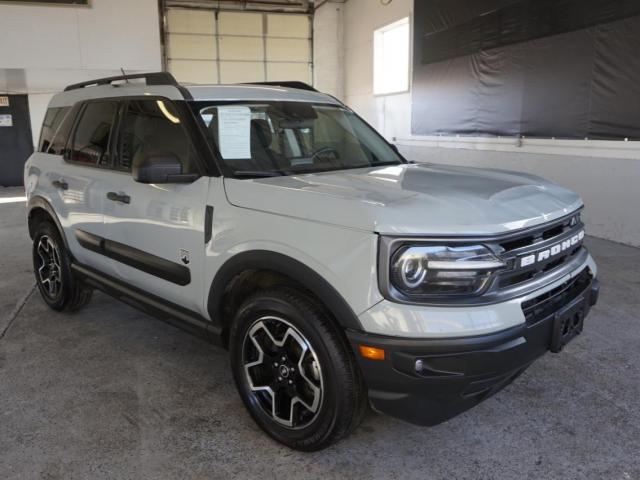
[
  {"x": 294, "y": 370},
  {"x": 59, "y": 287}
]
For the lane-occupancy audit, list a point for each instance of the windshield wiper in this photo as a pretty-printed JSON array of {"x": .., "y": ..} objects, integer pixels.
[
  {"x": 388, "y": 162},
  {"x": 346, "y": 167},
  {"x": 258, "y": 173},
  {"x": 302, "y": 171}
]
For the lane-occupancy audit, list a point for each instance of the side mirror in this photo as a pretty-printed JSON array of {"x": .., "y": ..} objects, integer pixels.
[{"x": 161, "y": 168}]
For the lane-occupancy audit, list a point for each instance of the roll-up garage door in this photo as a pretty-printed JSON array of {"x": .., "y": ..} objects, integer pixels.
[{"x": 208, "y": 46}]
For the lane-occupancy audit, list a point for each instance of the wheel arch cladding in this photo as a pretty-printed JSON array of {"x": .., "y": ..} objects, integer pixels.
[
  {"x": 284, "y": 267},
  {"x": 39, "y": 206}
]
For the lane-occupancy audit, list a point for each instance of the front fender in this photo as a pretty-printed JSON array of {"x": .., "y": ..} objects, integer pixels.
[{"x": 285, "y": 265}]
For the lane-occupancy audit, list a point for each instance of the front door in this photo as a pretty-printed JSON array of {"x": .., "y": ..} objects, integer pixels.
[
  {"x": 157, "y": 231},
  {"x": 16, "y": 143}
]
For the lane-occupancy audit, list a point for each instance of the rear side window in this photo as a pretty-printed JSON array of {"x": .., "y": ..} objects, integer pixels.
[
  {"x": 90, "y": 145},
  {"x": 153, "y": 127},
  {"x": 50, "y": 125},
  {"x": 61, "y": 136}
]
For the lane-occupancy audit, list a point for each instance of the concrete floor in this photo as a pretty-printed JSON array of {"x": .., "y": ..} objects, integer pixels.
[{"x": 112, "y": 393}]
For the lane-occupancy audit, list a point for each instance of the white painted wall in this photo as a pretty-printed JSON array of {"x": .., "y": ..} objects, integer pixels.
[
  {"x": 45, "y": 48},
  {"x": 328, "y": 58},
  {"x": 606, "y": 174}
]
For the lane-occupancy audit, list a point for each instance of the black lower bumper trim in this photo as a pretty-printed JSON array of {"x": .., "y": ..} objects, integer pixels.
[{"x": 428, "y": 381}]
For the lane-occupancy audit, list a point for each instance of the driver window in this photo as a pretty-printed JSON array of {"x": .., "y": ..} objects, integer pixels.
[
  {"x": 153, "y": 127},
  {"x": 91, "y": 138}
]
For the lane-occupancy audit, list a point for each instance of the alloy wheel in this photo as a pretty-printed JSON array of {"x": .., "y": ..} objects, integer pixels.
[
  {"x": 283, "y": 372},
  {"x": 50, "y": 267}
]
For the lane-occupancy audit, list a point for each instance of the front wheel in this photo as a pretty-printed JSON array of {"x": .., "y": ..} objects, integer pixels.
[
  {"x": 294, "y": 370},
  {"x": 59, "y": 287}
]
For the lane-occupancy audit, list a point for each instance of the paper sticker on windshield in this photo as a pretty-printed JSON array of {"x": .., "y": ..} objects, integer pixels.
[{"x": 234, "y": 132}]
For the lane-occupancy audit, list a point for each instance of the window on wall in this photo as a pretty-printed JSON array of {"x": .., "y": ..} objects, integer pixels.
[
  {"x": 391, "y": 58},
  {"x": 233, "y": 47}
]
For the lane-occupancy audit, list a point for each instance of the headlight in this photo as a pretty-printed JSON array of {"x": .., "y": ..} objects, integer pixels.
[{"x": 442, "y": 271}]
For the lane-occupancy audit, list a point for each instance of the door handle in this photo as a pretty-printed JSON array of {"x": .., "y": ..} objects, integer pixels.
[
  {"x": 60, "y": 184},
  {"x": 118, "y": 197}
]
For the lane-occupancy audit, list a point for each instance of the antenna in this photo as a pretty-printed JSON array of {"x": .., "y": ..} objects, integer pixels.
[{"x": 124, "y": 75}]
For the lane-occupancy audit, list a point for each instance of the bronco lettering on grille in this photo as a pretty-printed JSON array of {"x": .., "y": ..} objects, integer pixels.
[{"x": 552, "y": 251}]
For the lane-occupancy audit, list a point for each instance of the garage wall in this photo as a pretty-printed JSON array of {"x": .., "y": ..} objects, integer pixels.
[
  {"x": 606, "y": 174},
  {"x": 45, "y": 48},
  {"x": 328, "y": 54}
]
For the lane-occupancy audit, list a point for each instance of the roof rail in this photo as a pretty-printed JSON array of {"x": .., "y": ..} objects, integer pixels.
[
  {"x": 155, "y": 78},
  {"x": 287, "y": 84}
]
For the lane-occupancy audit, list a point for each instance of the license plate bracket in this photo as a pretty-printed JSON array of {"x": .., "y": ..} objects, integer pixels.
[{"x": 568, "y": 324}]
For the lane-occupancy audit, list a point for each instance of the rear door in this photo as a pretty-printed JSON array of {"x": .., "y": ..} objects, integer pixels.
[
  {"x": 156, "y": 232},
  {"x": 76, "y": 177}
]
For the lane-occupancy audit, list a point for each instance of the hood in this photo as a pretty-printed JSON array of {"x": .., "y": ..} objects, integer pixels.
[{"x": 411, "y": 199}]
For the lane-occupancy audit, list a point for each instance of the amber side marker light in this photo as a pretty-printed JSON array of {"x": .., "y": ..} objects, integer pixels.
[{"x": 372, "y": 353}]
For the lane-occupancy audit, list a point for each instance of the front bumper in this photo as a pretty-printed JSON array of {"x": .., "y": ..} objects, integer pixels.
[{"x": 455, "y": 374}]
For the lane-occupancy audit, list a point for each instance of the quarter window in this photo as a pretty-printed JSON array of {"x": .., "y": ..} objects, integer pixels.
[
  {"x": 61, "y": 135},
  {"x": 153, "y": 127},
  {"x": 91, "y": 138},
  {"x": 52, "y": 121}
]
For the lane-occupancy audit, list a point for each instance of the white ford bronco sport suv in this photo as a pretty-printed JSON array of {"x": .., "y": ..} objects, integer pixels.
[{"x": 276, "y": 222}]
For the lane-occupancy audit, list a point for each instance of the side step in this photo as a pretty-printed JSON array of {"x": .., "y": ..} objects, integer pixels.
[{"x": 169, "y": 312}]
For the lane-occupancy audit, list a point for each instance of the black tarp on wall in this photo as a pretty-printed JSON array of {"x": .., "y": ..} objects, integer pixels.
[{"x": 527, "y": 67}]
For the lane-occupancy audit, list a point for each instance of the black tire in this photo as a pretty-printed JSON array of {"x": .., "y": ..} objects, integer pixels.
[
  {"x": 286, "y": 313},
  {"x": 61, "y": 290}
]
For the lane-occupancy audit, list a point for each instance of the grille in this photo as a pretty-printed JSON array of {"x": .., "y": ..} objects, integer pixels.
[
  {"x": 532, "y": 257},
  {"x": 542, "y": 306},
  {"x": 536, "y": 244}
]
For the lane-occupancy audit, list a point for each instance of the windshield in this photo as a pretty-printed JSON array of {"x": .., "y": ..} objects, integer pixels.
[{"x": 256, "y": 139}]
